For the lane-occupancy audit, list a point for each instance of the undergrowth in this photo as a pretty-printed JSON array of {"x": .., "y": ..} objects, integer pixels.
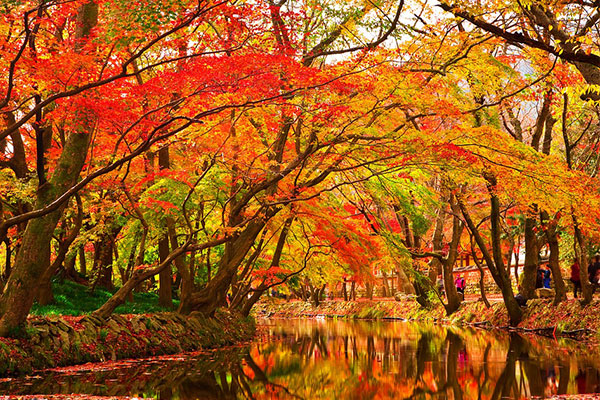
[{"x": 71, "y": 298}]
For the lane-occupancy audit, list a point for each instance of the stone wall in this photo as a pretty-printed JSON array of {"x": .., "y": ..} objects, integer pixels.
[{"x": 60, "y": 341}]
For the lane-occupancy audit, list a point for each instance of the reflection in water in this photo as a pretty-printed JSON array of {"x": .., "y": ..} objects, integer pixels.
[{"x": 306, "y": 359}]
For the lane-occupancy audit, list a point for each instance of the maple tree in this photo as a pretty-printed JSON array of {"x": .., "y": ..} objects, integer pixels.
[{"x": 235, "y": 147}]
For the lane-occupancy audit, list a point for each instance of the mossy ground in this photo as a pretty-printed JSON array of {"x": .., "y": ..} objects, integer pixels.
[{"x": 71, "y": 298}]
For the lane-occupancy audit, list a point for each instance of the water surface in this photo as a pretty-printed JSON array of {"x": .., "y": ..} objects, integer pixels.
[{"x": 328, "y": 359}]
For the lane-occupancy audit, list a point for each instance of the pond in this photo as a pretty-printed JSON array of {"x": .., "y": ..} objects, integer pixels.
[{"x": 329, "y": 359}]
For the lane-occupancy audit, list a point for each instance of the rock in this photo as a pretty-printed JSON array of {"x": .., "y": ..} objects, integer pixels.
[
  {"x": 136, "y": 327},
  {"x": 54, "y": 331},
  {"x": 92, "y": 319},
  {"x": 65, "y": 341},
  {"x": 43, "y": 330},
  {"x": 544, "y": 293},
  {"x": 54, "y": 341},
  {"x": 62, "y": 326},
  {"x": 114, "y": 327},
  {"x": 119, "y": 319}
]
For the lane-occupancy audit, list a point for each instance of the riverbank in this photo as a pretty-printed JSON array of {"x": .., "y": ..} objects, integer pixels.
[
  {"x": 540, "y": 316},
  {"x": 55, "y": 341}
]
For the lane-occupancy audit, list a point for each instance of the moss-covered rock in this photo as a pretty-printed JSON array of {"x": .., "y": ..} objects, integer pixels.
[{"x": 52, "y": 342}]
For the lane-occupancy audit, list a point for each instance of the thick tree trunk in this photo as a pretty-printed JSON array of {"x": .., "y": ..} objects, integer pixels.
[
  {"x": 559, "y": 284},
  {"x": 316, "y": 295},
  {"x": 249, "y": 303},
  {"x": 452, "y": 296},
  {"x": 516, "y": 269},
  {"x": 502, "y": 279},
  {"x": 69, "y": 271},
  {"x": 580, "y": 246},
  {"x": 34, "y": 254},
  {"x": 404, "y": 284},
  {"x": 386, "y": 286},
  {"x": 370, "y": 289},
  {"x": 213, "y": 295},
  {"x": 530, "y": 266},
  {"x": 275, "y": 262},
  {"x": 165, "y": 279},
  {"x": 45, "y": 294},
  {"x": 103, "y": 260},
  {"x": 31, "y": 262}
]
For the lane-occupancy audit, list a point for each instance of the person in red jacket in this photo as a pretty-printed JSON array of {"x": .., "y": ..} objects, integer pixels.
[{"x": 575, "y": 278}]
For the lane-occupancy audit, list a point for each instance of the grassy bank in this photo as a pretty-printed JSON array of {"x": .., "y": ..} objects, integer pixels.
[
  {"x": 539, "y": 315},
  {"x": 71, "y": 298}
]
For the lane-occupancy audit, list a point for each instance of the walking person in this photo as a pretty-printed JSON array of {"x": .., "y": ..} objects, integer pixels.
[
  {"x": 575, "y": 278},
  {"x": 460, "y": 284},
  {"x": 546, "y": 276},
  {"x": 593, "y": 270},
  {"x": 539, "y": 277}
]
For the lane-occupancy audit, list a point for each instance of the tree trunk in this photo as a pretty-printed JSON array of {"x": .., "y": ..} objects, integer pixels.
[
  {"x": 34, "y": 254},
  {"x": 45, "y": 294},
  {"x": 249, "y": 303},
  {"x": 502, "y": 279},
  {"x": 404, "y": 284},
  {"x": 318, "y": 293},
  {"x": 370, "y": 289},
  {"x": 386, "y": 285},
  {"x": 494, "y": 261},
  {"x": 580, "y": 246},
  {"x": 103, "y": 260},
  {"x": 452, "y": 296},
  {"x": 7, "y": 261},
  {"x": 165, "y": 279},
  {"x": 435, "y": 265},
  {"x": 516, "y": 270},
  {"x": 82, "y": 265},
  {"x": 137, "y": 277},
  {"x": 530, "y": 266},
  {"x": 213, "y": 295},
  {"x": 560, "y": 291},
  {"x": 481, "y": 276}
]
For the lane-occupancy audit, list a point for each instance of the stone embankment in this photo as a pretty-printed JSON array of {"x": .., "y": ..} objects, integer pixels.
[
  {"x": 540, "y": 316},
  {"x": 61, "y": 341}
]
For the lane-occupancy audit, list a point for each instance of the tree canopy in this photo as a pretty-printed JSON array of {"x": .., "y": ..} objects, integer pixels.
[{"x": 232, "y": 147}]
